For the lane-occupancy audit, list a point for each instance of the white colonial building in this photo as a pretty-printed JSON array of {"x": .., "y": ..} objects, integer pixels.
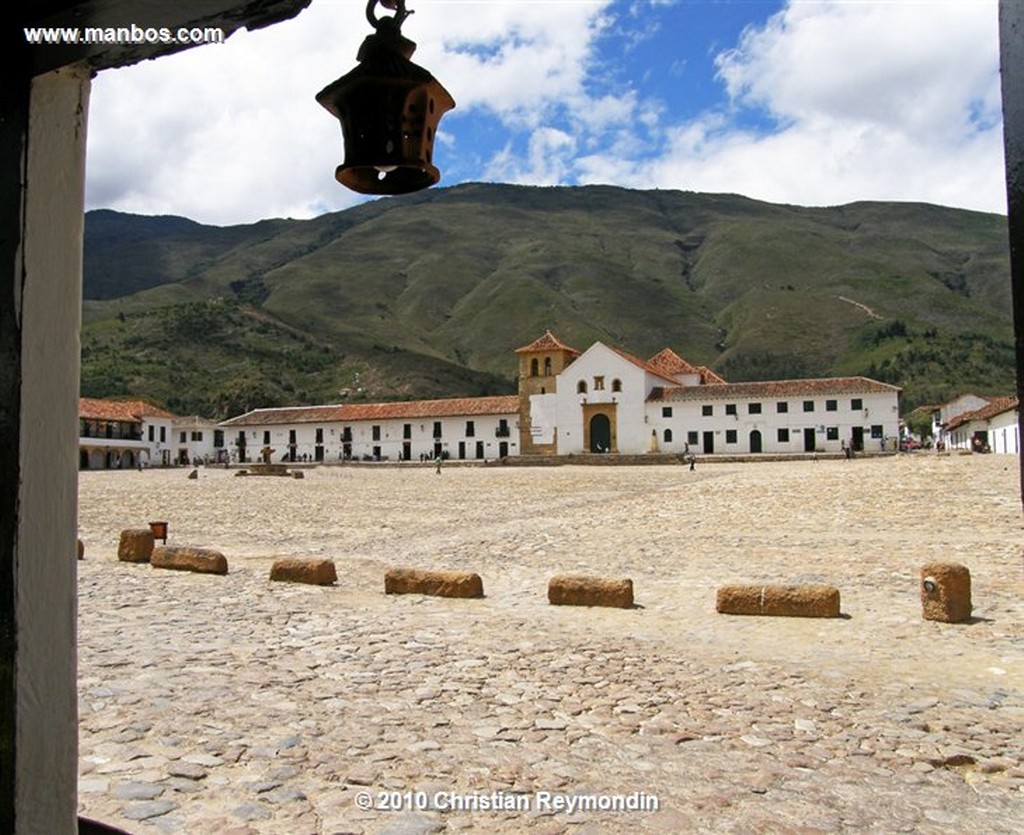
[
  {"x": 198, "y": 441},
  {"x": 605, "y": 400},
  {"x": 993, "y": 427},
  {"x": 459, "y": 428},
  {"x": 601, "y": 401},
  {"x": 122, "y": 434}
]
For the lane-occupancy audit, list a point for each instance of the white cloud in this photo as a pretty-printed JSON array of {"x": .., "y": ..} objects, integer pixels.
[
  {"x": 882, "y": 101},
  {"x": 827, "y": 102}
]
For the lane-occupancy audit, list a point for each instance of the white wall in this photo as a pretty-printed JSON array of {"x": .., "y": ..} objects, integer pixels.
[{"x": 1004, "y": 433}]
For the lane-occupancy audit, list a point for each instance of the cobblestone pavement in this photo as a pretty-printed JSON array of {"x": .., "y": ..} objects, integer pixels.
[{"x": 235, "y": 705}]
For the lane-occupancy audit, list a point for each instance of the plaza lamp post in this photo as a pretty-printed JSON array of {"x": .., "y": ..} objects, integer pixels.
[{"x": 389, "y": 109}]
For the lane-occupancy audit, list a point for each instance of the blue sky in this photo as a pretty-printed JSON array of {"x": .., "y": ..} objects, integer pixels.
[{"x": 813, "y": 102}]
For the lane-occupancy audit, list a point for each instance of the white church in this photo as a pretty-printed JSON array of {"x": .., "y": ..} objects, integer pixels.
[{"x": 602, "y": 401}]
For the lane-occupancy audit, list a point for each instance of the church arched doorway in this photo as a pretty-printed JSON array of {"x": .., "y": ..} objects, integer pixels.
[{"x": 600, "y": 433}]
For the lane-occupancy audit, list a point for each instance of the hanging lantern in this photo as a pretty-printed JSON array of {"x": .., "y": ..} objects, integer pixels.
[{"x": 389, "y": 109}]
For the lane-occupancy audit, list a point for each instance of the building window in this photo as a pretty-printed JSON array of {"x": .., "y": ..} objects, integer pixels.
[
  {"x": 437, "y": 429},
  {"x": 753, "y": 408},
  {"x": 831, "y": 405},
  {"x": 502, "y": 431},
  {"x": 692, "y": 437},
  {"x": 782, "y": 407},
  {"x": 319, "y": 436},
  {"x": 832, "y": 433},
  {"x": 197, "y": 436},
  {"x": 783, "y": 436},
  {"x": 163, "y": 434},
  {"x": 707, "y": 411},
  {"x": 808, "y": 405},
  {"x": 375, "y": 433},
  {"x": 581, "y": 387},
  {"x": 616, "y": 384},
  {"x": 534, "y": 367},
  {"x": 876, "y": 431},
  {"x": 730, "y": 408},
  {"x": 666, "y": 411},
  {"x": 470, "y": 429},
  {"x": 856, "y": 404},
  {"x": 668, "y": 436},
  {"x": 266, "y": 437},
  {"x": 547, "y": 366},
  {"x": 730, "y": 436},
  {"x": 218, "y": 438},
  {"x": 181, "y": 437},
  {"x": 407, "y": 431},
  {"x": 599, "y": 384}
]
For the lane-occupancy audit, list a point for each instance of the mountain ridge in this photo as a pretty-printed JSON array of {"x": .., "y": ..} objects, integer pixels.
[{"x": 428, "y": 295}]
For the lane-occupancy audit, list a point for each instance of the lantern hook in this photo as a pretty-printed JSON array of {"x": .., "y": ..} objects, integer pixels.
[{"x": 397, "y": 5}]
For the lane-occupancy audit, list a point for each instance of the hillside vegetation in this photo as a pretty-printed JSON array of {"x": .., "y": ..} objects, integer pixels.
[{"x": 428, "y": 295}]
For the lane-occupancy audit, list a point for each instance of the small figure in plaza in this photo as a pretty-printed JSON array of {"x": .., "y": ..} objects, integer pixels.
[
  {"x": 265, "y": 454},
  {"x": 437, "y": 464},
  {"x": 693, "y": 461}
]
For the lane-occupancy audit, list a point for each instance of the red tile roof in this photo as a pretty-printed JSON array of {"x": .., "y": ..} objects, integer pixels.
[
  {"x": 548, "y": 342},
  {"x": 644, "y": 364},
  {"x": 450, "y": 407},
  {"x": 779, "y": 388},
  {"x": 93, "y": 408},
  {"x": 996, "y": 406},
  {"x": 669, "y": 362},
  {"x": 709, "y": 377}
]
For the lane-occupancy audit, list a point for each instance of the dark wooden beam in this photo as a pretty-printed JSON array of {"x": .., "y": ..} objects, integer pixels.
[
  {"x": 1011, "y": 53},
  {"x": 227, "y": 15}
]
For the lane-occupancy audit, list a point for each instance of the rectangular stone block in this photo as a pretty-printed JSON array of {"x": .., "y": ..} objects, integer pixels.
[
  {"x": 808, "y": 601},
  {"x": 135, "y": 545},
  {"x": 435, "y": 583},
  {"x": 580, "y": 590},
  {"x": 946, "y": 592},
  {"x": 316, "y": 572},
  {"x": 182, "y": 558}
]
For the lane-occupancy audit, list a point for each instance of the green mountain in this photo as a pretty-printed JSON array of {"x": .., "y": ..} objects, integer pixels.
[{"x": 429, "y": 294}]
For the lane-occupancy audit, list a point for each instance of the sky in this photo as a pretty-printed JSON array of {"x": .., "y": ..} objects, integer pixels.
[{"x": 810, "y": 102}]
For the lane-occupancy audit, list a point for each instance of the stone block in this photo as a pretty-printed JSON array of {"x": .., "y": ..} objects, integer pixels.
[
  {"x": 435, "y": 583},
  {"x": 580, "y": 590},
  {"x": 81, "y": 550},
  {"x": 136, "y": 545},
  {"x": 779, "y": 601},
  {"x": 314, "y": 572},
  {"x": 183, "y": 558},
  {"x": 946, "y": 592}
]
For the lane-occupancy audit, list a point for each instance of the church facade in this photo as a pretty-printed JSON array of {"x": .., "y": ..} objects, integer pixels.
[{"x": 599, "y": 401}]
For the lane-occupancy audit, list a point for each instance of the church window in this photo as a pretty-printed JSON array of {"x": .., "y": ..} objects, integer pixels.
[
  {"x": 599, "y": 384},
  {"x": 581, "y": 387},
  {"x": 534, "y": 367},
  {"x": 616, "y": 384},
  {"x": 547, "y": 366}
]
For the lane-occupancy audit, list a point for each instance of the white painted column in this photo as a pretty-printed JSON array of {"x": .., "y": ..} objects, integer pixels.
[{"x": 45, "y": 576}]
